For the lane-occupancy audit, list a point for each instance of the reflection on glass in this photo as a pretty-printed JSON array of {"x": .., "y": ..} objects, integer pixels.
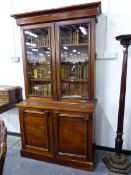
[
  {"x": 43, "y": 89},
  {"x": 74, "y": 60},
  {"x": 38, "y": 58}
]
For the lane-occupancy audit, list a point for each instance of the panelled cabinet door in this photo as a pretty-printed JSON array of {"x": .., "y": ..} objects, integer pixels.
[
  {"x": 36, "y": 126},
  {"x": 73, "y": 58},
  {"x": 39, "y": 46},
  {"x": 73, "y": 136}
]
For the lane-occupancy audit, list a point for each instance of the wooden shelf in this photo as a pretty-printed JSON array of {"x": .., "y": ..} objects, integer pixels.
[
  {"x": 68, "y": 63},
  {"x": 40, "y": 79},
  {"x": 45, "y": 96},
  {"x": 37, "y": 47},
  {"x": 71, "y": 96},
  {"x": 75, "y": 80},
  {"x": 72, "y": 45}
]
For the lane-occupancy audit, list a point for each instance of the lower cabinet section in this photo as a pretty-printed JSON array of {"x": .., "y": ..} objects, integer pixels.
[{"x": 57, "y": 136}]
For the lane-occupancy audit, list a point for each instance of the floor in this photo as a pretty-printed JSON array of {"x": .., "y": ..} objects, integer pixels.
[{"x": 17, "y": 165}]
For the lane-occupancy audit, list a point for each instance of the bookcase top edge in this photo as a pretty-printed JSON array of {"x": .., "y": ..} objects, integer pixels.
[{"x": 91, "y": 5}]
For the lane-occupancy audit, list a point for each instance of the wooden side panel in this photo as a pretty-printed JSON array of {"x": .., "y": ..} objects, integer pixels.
[{"x": 37, "y": 130}]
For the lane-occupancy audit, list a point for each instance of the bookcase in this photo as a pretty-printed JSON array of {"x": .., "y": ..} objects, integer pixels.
[{"x": 58, "y": 49}]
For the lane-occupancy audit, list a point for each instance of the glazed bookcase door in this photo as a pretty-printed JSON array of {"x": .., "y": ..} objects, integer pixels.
[
  {"x": 39, "y": 60},
  {"x": 73, "y": 59}
]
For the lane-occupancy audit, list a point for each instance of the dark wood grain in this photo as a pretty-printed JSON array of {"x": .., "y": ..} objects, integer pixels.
[
  {"x": 64, "y": 13},
  {"x": 125, "y": 40},
  {"x": 118, "y": 162},
  {"x": 88, "y": 106},
  {"x": 59, "y": 129}
]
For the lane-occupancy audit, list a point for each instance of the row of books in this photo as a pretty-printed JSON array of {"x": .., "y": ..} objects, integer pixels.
[
  {"x": 73, "y": 37},
  {"x": 75, "y": 89},
  {"x": 39, "y": 71},
  {"x": 74, "y": 71},
  {"x": 39, "y": 41},
  {"x": 68, "y": 71},
  {"x": 41, "y": 89}
]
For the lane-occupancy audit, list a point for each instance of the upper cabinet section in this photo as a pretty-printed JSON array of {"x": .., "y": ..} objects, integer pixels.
[{"x": 58, "y": 48}]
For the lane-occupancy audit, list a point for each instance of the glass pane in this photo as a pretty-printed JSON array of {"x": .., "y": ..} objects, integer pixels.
[
  {"x": 37, "y": 45},
  {"x": 43, "y": 89},
  {"x": 74, "y": 60}
]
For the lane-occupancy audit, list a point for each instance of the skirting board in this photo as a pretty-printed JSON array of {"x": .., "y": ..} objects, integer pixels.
[
  {"x": 104, "y": 148},
  {"x": 97, "y": 147},
  {"x": 13, "y": 134}
]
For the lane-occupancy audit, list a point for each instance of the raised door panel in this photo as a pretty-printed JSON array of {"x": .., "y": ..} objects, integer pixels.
[
  {"x": 37, "y": 127},
  {"x": 73, "y": 136}
]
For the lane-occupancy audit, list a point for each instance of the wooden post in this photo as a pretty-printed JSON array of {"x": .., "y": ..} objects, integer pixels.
[{"x": 117, "y": 162}]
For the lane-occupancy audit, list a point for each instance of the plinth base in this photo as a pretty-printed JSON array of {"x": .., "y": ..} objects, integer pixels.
[{"x": 117, "y": 163}]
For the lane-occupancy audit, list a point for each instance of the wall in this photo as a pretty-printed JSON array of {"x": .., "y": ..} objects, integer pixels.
[
  {"x": 113, "y": 21},
  {"x": 108, "y": 73},
  {"x": 11, "y": 73}
]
